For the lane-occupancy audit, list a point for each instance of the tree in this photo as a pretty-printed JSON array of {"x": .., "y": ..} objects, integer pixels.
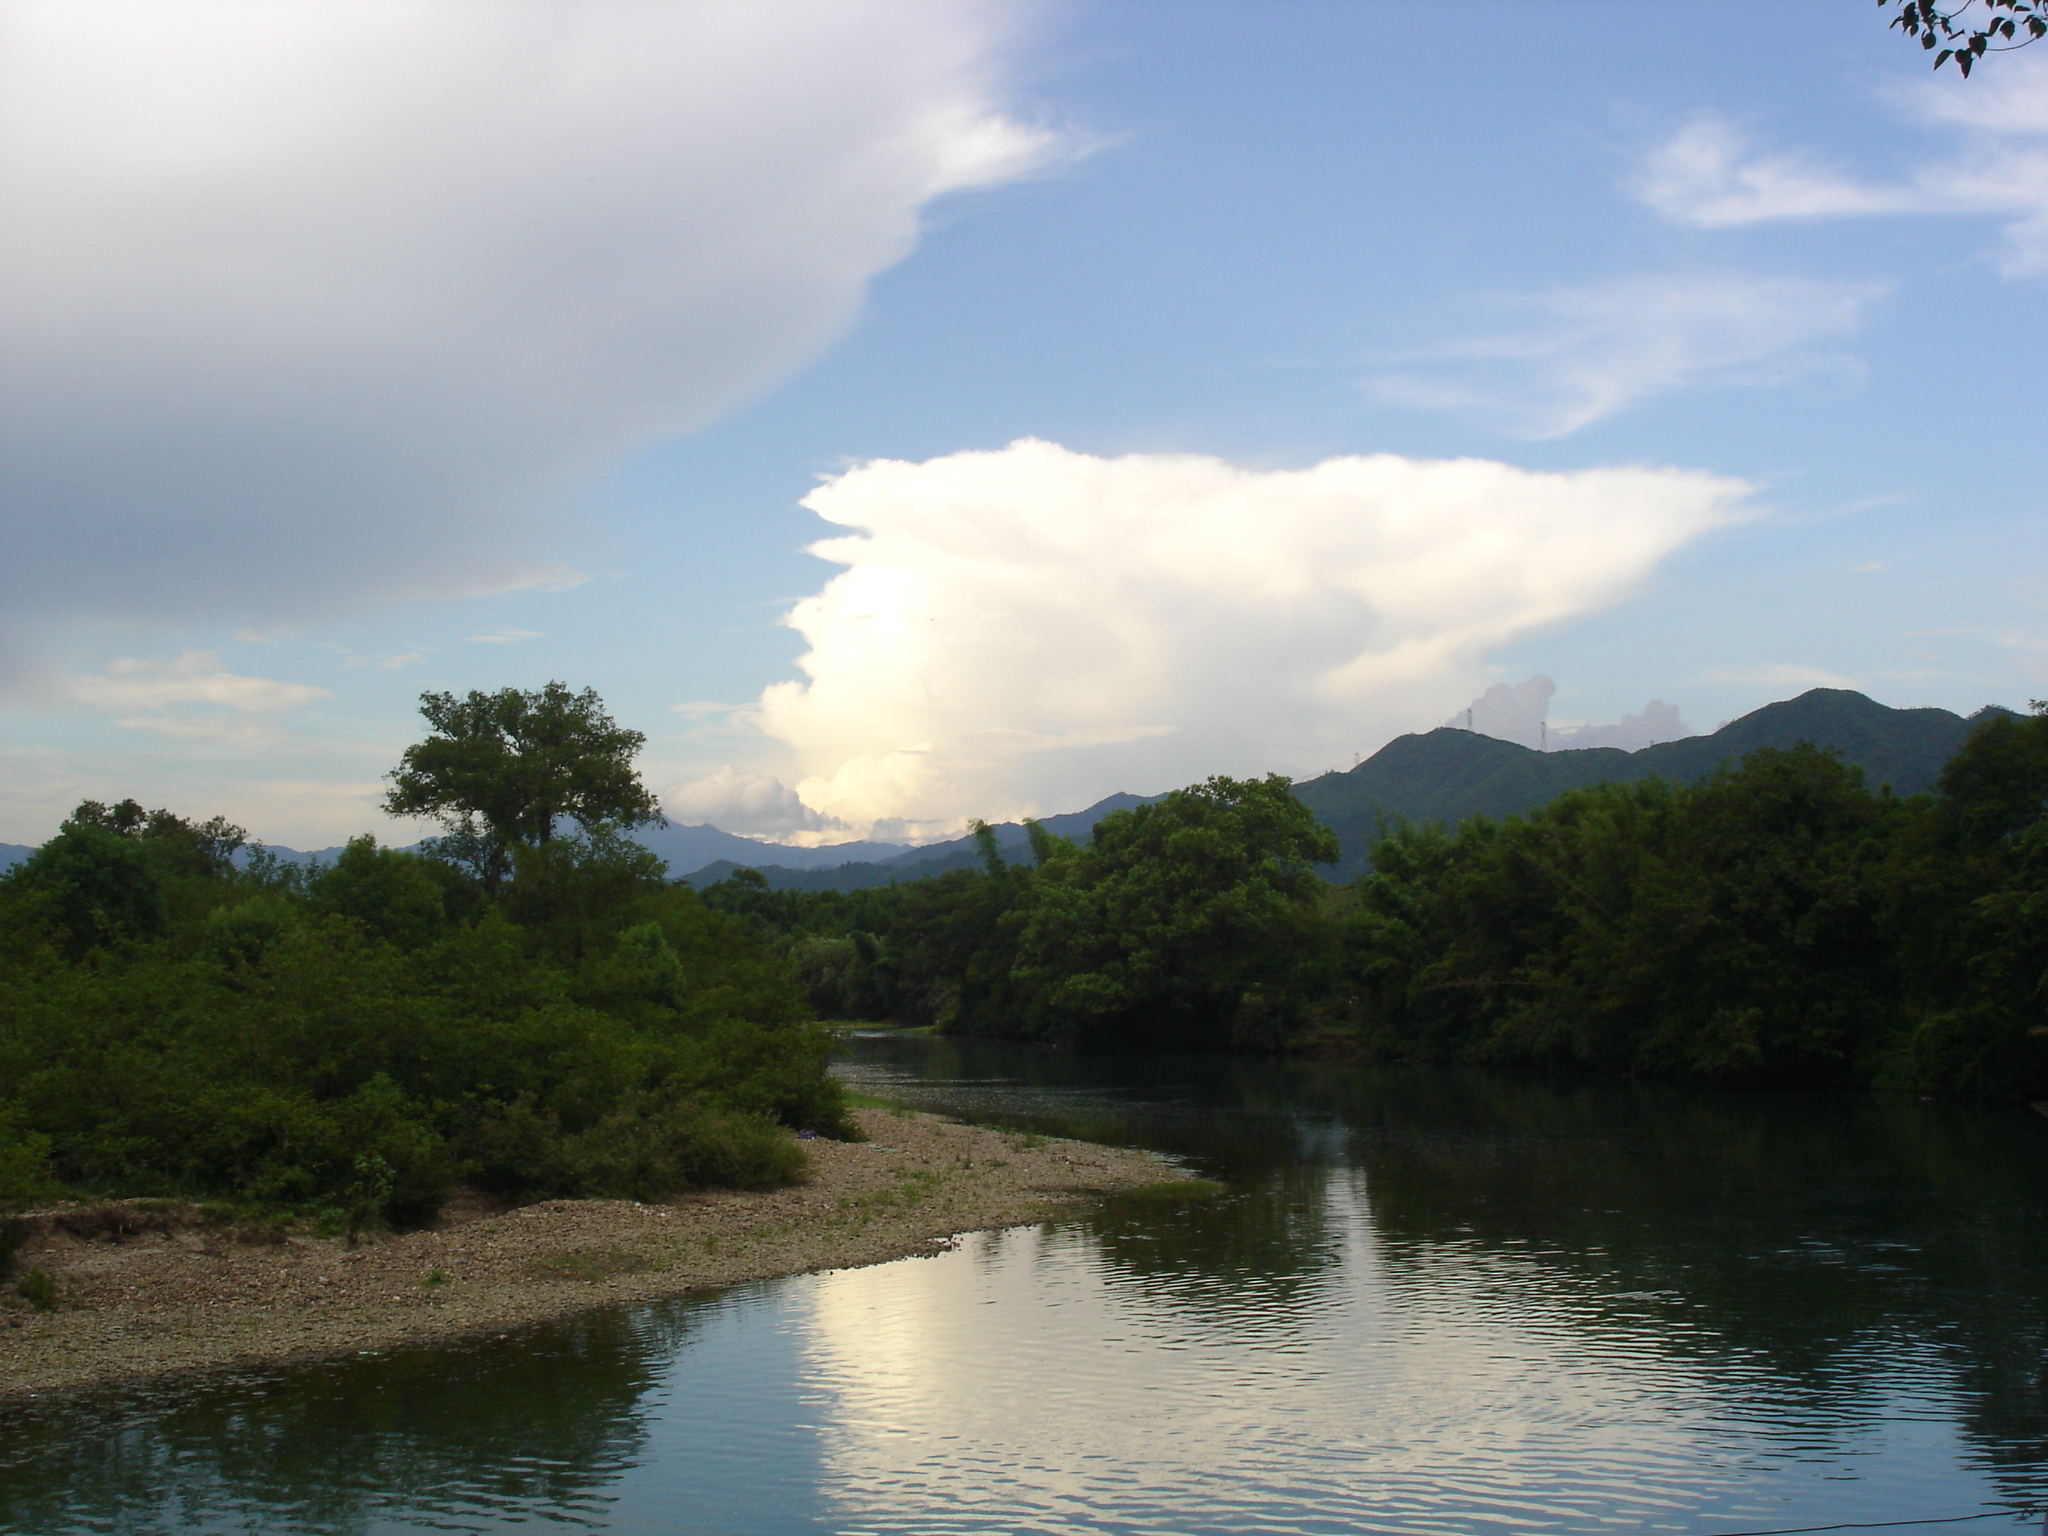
[
  {"x": 178, "y": 845},
  {"x": 502, "y": 769},
  {"x": 1190, "y": 922},
  {"x": 1957, "y": 33}
]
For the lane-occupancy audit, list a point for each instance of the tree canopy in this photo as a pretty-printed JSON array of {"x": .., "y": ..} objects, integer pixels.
[{"x": 502, "y": 769}]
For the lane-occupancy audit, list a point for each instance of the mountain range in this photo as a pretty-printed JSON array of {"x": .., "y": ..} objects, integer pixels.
[
  {"x": 1448, "y": 774},
  {"x": 1442, "y": 775}
]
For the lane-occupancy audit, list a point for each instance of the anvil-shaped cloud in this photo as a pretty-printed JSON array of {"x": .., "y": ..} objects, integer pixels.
[{"x": 1028, "y": 629}]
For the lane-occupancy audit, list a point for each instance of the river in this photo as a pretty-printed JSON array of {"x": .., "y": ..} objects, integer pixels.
[{"x": 1429, "y": 1302}]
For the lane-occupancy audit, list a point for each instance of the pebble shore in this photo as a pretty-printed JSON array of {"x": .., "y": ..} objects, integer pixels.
[{"x": 147, "y": 1292}]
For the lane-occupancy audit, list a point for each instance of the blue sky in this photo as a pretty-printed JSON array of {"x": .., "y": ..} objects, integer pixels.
[{"x": 519, "y": 364}]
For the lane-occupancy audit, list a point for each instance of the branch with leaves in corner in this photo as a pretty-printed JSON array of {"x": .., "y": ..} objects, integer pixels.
[{"x": 1972, "y": 29}]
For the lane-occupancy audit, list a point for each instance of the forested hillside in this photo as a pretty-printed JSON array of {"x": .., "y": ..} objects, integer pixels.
[{"x": 1447, "y": 775}]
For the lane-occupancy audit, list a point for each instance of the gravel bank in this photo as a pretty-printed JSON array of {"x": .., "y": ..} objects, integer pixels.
[{"x": 151, "y": 1292}]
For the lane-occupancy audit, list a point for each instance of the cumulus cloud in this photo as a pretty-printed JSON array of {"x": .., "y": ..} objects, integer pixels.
[
  {"x": 1712, "y": 176},
  {"x": 1657, "y": 722},
  {"x": 1025, "y": 630},
  {"x": 744, "y": 801},
  {"x": 1508, "y": 713},
  {"x": 307, "y": 304},
  {"x": 1521, "y": 713},
  {"x": 1575, "y": 356}
]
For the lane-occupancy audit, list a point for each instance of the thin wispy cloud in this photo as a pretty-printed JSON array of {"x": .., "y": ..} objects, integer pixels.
[
  {"x": 390, "y": 661},
  {"x": 194, "y": 699},
  {"x": 1782, "y": 674},
  {"x": 506, "y": 635},
  {"x": 195, "y": 677},
  {"x": 1575, "y": 356},
  {"x": 1712, "y": 175}
]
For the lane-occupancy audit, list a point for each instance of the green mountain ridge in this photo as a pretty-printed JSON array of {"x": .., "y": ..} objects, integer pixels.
[{"x": 1447, "y": 775}]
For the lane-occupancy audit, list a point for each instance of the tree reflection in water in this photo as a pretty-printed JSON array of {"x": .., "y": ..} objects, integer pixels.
[{"x": 534, "y": 1425}]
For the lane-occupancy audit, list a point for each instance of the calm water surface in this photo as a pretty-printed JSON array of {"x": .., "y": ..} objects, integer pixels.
[{"x": 1430, "y": 1302}]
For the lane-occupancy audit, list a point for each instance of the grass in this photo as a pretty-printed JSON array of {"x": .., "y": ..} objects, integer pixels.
[{"x": 869, "y": 1101}]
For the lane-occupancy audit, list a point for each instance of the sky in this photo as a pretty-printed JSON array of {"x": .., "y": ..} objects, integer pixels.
[{"x": 908, "y": 412}]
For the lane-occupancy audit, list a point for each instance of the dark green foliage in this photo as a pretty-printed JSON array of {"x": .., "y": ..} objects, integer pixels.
[
  {"x": 502, "y": 769},
  {"x": 391, "y": 895},
  {"x": 1190, "y": 923},
  {"x": 350, "y": 1042},
  {"x": 1774, "y": 922},
  {"x": 1727, "y": 931},
  {"x": 94, "y": 888},
  {"x": 1777, "y": 923},
  {"x": 1971, "y": 918}
]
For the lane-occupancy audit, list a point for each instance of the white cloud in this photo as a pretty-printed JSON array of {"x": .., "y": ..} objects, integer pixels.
[
  {"x": 744, "y": 801},
  {"x": 1657, "y": 722},
  {"x": 1585, "y": 353},
  {"x": 390, "y": 661},
  {"x": 1521, "y": 714},
  {"x": 505, "y": 635},
  {"x": 309, "y": 304},
  {"x": 1782, "y": 674},
  {"x": 195, "y": 677},
  {"x": 1514, "y": 713},
  {"x": 1711, "y": 176},
  {"x": 1028, "y": 629},
  {"x": 1708, "y": 175}
]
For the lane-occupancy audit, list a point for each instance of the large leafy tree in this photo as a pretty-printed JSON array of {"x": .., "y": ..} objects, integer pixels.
[{"x": 503, "y": 769}]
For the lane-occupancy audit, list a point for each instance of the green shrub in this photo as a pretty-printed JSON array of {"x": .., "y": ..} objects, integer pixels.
[{"x": 38, "y": 1290}]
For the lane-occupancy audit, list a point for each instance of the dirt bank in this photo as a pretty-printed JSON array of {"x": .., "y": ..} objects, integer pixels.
[{"x": 147, "y": 1292}]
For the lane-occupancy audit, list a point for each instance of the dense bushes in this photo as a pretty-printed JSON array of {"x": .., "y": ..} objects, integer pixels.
[
  {"x": 1728, "y": 930},
  {"x": 353, "y": 1040},
  {"x": 1190, "y": 922}
]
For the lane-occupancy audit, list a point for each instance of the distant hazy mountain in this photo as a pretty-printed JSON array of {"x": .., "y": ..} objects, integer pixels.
[
  {"x": 12, "y": 854},
  {"x": 693, "y": 847},
  {"x": 1446, "y": 775},
  {"x": 910, "y": 864}
]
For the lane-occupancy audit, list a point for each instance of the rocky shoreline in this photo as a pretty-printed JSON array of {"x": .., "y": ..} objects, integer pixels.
[{"x": 149, "y": 1291}]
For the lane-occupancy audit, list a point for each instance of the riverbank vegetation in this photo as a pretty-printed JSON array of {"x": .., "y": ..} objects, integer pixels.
[
  {"x": 534, "y": 1013},
  {"x": 1780, "y": 922},
  {"x": 528, "y": 1005}
]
